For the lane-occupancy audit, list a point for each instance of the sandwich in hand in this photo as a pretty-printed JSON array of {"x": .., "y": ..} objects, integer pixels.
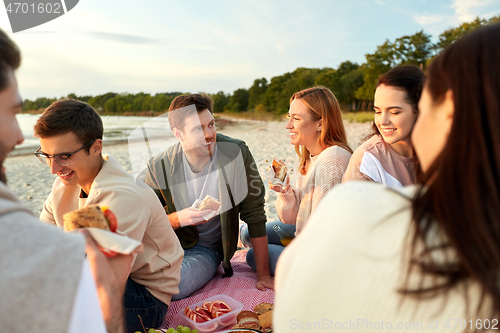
[
  {"x": 209, "y": 203},
  {"x": 91, "y": 216},
  {"x": 280, "y": 170}
]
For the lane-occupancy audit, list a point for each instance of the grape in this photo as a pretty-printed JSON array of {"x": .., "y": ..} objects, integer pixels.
[
  {"x": 179, "y": 328},
  {"x": 170, "y": 330},
  {"x": 185, "y": 330},
  {"x": 194, "y": 331},
  {"x": 175, "y": 331}
]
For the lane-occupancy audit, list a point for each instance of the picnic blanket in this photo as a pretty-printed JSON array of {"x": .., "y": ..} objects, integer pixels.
[{"x": 240, "y": 286}]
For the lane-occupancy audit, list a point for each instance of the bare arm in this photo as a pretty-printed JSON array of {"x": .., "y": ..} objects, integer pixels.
[
  {"x": 261, "y": 252},
  {"x": 187, "y": 216}
]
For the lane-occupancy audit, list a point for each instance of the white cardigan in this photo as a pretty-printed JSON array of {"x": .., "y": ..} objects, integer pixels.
[
  {"x": 343, "y": 272},
  {"x": 324, "y": 172}
]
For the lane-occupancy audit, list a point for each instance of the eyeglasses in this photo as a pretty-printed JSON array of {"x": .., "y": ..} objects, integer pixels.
[{"x": 61, "y": 159}]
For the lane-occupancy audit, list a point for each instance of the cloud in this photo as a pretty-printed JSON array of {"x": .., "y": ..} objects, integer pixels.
[
  {"x": 124, "y": 38},
  {"x": 428, "y": 19},
  {"x": 463, "y": 8}
]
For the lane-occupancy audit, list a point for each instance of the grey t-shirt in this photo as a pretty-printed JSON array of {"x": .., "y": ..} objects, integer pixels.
[{"x": 200, "y": 185}]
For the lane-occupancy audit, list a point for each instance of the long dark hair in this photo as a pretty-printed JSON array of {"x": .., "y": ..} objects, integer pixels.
[
  {"x": 409, "y": 79},
  {"x": 460, "y": 200}
]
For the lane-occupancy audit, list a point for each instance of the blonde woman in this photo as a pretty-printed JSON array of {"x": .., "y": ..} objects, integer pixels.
[{"x": 318, "y": 134}]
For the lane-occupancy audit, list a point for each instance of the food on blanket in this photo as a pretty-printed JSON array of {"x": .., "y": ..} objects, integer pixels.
[
  {"x": 91, "y": 216},
  {"x": 247, "y": 319},
  {"x": 179, "y": 329},
  {"x": 263, "y": 308},
  {"x": 208, "y": 311},
  {"x": 209, "y": 203},
  {"x": 280, "y": 169},
  {"x": 218, "y": 308},
  {"x": 266, "y": 321}
]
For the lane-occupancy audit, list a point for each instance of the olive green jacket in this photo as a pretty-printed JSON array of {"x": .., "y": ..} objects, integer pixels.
[{"x": 241, "y": 192}]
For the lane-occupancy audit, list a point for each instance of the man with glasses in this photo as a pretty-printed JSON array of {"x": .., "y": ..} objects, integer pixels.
[{"x": 70, "y": 134}]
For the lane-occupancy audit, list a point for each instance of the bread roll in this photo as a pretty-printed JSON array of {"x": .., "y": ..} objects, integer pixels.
[
  {"x": 209, "y": 203},
  {"x": 88, "y": 217}
]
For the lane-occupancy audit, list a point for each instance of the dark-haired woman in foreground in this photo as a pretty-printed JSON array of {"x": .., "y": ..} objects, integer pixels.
[
  {"x": 387, "y": 157},
  {"x": 420, "y": 258}
]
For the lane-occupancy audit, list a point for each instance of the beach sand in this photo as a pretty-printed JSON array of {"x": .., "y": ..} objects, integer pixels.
[{"x": 32, "y": 181}]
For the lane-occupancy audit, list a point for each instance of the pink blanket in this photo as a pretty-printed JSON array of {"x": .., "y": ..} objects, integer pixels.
[{"x": 240, "y": 286}]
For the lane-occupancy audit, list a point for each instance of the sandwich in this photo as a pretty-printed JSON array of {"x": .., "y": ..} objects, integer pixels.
[
  {"x": 247, "y": 319},
  {"x": 263, "y": 308},
  {"x": 266, "y": 321},
  {"x": 280, "y": 170},
  {"x": 91, "y": 216},
  {"x": 209, "y": 203}
]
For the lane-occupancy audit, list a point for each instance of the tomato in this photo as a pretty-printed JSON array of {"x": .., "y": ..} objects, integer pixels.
[
  {"x": 205, "y": 305},
  {"x": 111, "y": 218},
  {"x": 203, "y": 313}
]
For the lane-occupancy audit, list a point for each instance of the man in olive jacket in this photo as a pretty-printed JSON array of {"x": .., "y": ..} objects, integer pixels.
[{"x": 204, "y": 163}]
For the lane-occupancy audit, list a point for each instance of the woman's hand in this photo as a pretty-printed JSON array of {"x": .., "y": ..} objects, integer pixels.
[{"x": 279, "y": 188}]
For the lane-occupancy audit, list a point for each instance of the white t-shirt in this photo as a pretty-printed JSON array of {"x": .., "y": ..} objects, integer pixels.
[
  {"x": 200, "y": 185},
  {"x": 86, "y": 316},
  {"x": 375, "y": 160}
]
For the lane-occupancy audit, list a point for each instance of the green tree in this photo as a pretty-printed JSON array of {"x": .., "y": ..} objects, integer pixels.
[
  {"x": 452, "y": 34},
  {"x": 238, "y": 101},
  {"x": 376, "y": 64},
  {"x": 221, "y": 100},
  {"x": 257, "y": 92},
  {"x": 414, "y": 49},
  {"x": 283, "y": 87}
]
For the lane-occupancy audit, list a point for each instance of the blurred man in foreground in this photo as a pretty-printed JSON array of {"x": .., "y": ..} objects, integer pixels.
[{"x": 45, "y": 283}]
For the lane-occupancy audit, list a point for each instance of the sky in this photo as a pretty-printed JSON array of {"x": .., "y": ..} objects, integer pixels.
[{"x": 158, "y": 46}]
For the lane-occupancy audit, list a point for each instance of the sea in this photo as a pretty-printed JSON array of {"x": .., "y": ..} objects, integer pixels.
[{"x": 117, "y": 129}]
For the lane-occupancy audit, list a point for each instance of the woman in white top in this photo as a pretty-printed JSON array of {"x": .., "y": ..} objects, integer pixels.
[
  {"x": 419, "y": 258},
  {"x": 387, "y": 156},
  {"x": 318, "y": 133}
]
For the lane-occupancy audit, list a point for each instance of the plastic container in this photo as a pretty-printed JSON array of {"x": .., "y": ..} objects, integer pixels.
[{"x": 216, "y": 323}]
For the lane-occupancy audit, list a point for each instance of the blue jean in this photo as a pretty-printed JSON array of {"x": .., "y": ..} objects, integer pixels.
[
  {"x": 199, "y": 265},
  {"x": 138, "y": 301},
  {"x": 275, "y": 246}
]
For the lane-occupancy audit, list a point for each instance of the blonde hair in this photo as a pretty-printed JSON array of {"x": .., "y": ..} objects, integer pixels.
[{"x": 323, "y": 106}]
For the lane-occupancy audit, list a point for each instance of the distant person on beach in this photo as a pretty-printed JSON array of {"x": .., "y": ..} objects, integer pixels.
[
  {"x": 45, "y": 283},
  {"x": 420, "y": 258},
  {"x": 387, "y": 157},
  {"x": 318, "y": 134},
  {"x": 70, "y": 135},
  {"x": 206, "y": 164}
]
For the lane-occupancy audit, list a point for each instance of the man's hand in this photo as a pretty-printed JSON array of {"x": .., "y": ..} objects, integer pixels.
[
  {"x": 261, "y": 253},
  {"x": 110, "y": 276},
  {"x": 187, "y": 216},
  {"x": 265, "y": 282}
]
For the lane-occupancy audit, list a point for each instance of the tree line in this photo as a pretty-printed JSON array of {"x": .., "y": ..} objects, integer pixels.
[{"x": 353, "y": 84}]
